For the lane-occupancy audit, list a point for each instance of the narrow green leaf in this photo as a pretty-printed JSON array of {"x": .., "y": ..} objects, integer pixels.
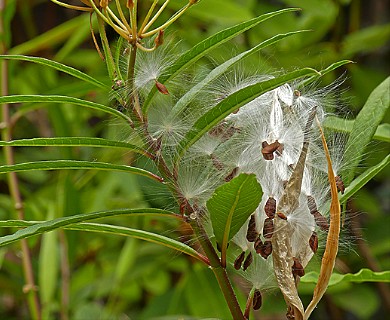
[
  {"x": 360, "y": 181},
  {"x": 62, "y": 99},
  {"x": 231, "y": 205},
  {"x": 58, "y": 66},
  {"x": 35, "y": 228},
  {"x": 72, "y": 142},
  {"x": 233, "y": 103},
  {"x": 75, "y": 164},
  {"x": 190, "y": 95},
  {"x": 365, "y": 126},
  {"x": 382, "y": 133},
  {"x": 205, "y": 46},
  {"x": 364, "y": 275}
]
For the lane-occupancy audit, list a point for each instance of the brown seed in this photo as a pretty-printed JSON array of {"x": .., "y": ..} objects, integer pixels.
[
  {"x": 239, "y": 260},
  {"x": 159, "y": 40},
  {"x": 266, "y": 249},
  {"x": 161, "y": 88},
  {"x": 270, "y": 207},
  {"x": 269, "y": 149},
  {"x": 257, "y": 300},
  {"x": 297, "y": 268},
  {"x": 297, "y": 93},
  {"x": 248, "y": 261},
  {"x": 321, "y": 221},
  {"x": 268, "y": 229},
  {"x": 313, "y": 242},
  {"x": 281, "y": 215},
  {"x": 231, "y": 175},
  {"x": 311, "y": 203},
  {"x": 216, "y": 162},
  {"x": 258, "y": 245},
  {"x": 340, "y": 184},
  {"x": 251, "y": 234}
]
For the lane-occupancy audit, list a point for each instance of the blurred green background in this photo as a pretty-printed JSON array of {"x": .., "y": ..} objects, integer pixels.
[{"x": 95, "y": 276}]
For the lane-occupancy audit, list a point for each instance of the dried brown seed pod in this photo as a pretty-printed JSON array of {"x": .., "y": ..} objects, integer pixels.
[
  {"x": 231, "y": 175},
  {"x": 239, "y": 260},
  {"x": 270, "y": 207},
  {"x": 266, "y": 249},
  {"x": 251, "y": 234},
  {"x": 248, "y": 261},
  {"x": 340, "y": 184},
  {"x": 257, "y": 300},
  {"x": 311, "y": 203},
  {"x": 321, "y": 221},
  {"x": 268, "y": 229},
  {"x": 313, "y": 242},
  {"x": 297, "y": 268}
]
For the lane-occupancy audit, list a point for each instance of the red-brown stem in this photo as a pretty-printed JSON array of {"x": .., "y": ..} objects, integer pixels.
[{"x": 30, "y": 287}]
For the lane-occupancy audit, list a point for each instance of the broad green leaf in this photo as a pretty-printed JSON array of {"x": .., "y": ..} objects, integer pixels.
[
  {"x": 205, "y": 46},
  {"x": 233, "y": 103},
  {"x": 58, "y": 66},
  {"x": 62, "y": 99},
  {"x": 231, "y": 205},
  {"x": 382, "y": 133},
  {"x": 364, "y": 275},
  {"x": 75, "y": 164},
  {"x": 365, "y": 126},
  {"x": 366, "y": 176},
  {"x": 73, "y": 141},
  {"x": 215, "y": 73}
]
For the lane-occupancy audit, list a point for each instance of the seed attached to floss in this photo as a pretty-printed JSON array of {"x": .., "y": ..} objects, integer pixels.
[
  {"x": 281, "y": 215},
  {"x": 239, "y": 260},
  {"x": 321, "y": 221},
  {"x": 258, "y": 246},
  {"x": 297, "y": 268},
  {"x": 311, "y": 203},
  {"x": 266, "y": 249},
  {"x": 161, "y": 88},
  {"x": 269, "y": 149},
  {"x": 231, "y": 175},
  {"x": 248, "y": 261},
  {"x": 216, "y": 162},
  {"x": 257, "y": 300},
  {"x": 340, "y": 184},
  {"x": 251, "y": 234},
  {"x": 313, "y": 242},
  {"x": 270, "y": 207},
  {"x": 268, "y": 229}
]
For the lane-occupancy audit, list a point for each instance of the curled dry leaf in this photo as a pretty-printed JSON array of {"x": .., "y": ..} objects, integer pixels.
[{"x": 332, "y": 241}]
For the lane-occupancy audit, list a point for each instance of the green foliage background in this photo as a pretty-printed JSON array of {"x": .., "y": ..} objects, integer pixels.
[{"x": 112, "y": 277}]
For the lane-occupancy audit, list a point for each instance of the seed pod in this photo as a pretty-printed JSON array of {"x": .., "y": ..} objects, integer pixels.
[
  {"x": 231, "y": 175},
  {"x": 297, "y": 268},
  {"x": 269, "y": 149},
  {"x": 239, "y": 260},
  {"x": 281, "y": 215},
  {"x": 340, "y": 184},
  {"x": 321, "y": 221},
  {"x": 268, "y": 229},
  {"x": 248, "y": 261},
  {"x": 311, "y": 203},
  {"x": 313, "y": 242},
  {"x": 251, "y": 233},
  {"x": 161, "y": 88},
  {"x": 258, "y": 246},
  {"x": 270, "y": 207},
  {"x": 257, "y": 300},
  {"x": 266, "y": 249}
]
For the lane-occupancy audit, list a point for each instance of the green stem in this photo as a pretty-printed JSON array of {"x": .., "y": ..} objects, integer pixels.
[
  {"x": 29, "y": 287},
  {"x": 219, "y": 272}
]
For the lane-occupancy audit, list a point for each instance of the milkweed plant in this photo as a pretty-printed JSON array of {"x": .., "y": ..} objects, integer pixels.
[{"x": 249, "y": 158}]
